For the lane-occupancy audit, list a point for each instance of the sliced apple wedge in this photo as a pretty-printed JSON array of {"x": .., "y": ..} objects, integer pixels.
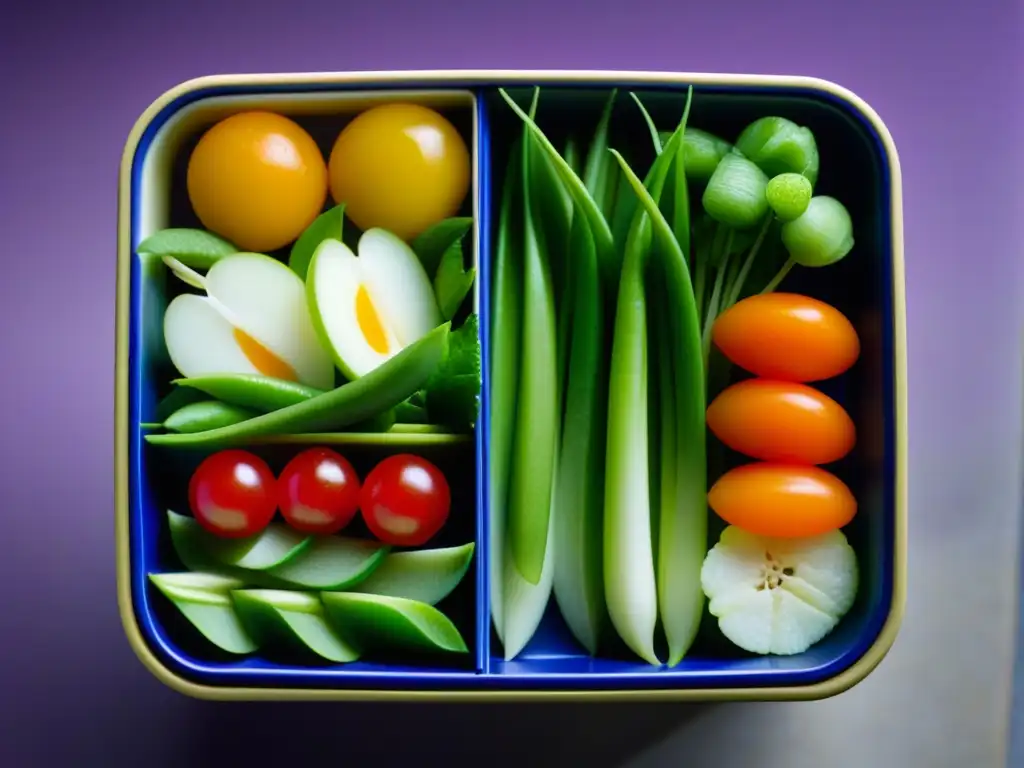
[
  {"x": 426, "y": 575},
  {"x": 366, "y": 308},
  {"x": 292, "y": 619},
  {"x": 392, "y": 623},
  {"x": 209, "y": 610},
  {"x": 253, "y": 319}
]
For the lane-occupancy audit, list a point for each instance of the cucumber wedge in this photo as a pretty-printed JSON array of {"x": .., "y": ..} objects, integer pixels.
[
  {"x": 393, "y": 623},
  {"x": 331, "y": 563},
  {"x": 292, "y": 619},
  {"x": 426, "y": 575},
  {"x": 196, "y": 580},
  {"x": 211, "y": 612},
  {"x": 200, "y": 550}
]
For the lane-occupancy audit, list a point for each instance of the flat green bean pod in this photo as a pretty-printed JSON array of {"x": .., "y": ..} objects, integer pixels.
[
  {"x": 381, "y": 389},
  {"x": 250, "y": 390},
  {"x": 204, "y": 415}
]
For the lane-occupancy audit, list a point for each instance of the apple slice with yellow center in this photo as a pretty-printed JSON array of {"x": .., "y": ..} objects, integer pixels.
[{"x": 368, "y": 307}]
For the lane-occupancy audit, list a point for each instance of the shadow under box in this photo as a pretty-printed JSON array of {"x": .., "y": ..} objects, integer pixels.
[{"x": 858, "y": 167}]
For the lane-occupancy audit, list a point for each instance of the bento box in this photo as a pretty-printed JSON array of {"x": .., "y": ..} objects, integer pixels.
[{"x": 489, "y": 385}]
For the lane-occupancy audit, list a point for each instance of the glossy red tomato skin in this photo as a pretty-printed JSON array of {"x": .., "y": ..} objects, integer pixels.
[
  {"x": 232, "y": 494},
  {"x": 405, "y": 500},
  {"x": 318, "y": 491}
]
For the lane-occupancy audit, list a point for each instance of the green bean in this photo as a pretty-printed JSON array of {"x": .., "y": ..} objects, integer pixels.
[
  {"x": 735, "y": 195},
  {"x": 788, "y": 195},
  {"x": 410, "y": 413},
  {"x": 506, "y": 322},
  {"x": 381, "y": 389},
  {"x": 206, "y": 414},
  {"x": 777, "y": 145},
  {"x": 683, "y": 521},
  {"x": 195, "y": 248},
  {"x": 177, "y": 398},
  {"x": 249, "y": 390},
  {"x": 535, "y": 443}
]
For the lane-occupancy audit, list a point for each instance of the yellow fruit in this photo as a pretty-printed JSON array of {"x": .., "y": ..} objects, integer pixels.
[
  {"x": 401, "y": 167},
  {"x": 257, "y": 179}
]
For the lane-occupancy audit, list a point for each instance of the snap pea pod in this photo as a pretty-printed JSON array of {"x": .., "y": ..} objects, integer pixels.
[
  {"x": 204, "y": 415},
  {"x": 410, "y": 413},
  {"x": 381, "y": 389},
  {"x": 249, "y": 390}
]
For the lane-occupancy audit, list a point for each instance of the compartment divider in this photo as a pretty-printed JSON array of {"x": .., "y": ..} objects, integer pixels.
[{"x": 483, "y": 249}]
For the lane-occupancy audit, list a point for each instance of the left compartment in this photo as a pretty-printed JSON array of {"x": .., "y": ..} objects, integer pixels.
[{"x": 299, "y": 387}]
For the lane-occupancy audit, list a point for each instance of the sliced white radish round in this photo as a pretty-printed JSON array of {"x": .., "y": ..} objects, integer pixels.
[{"x": 779, "y": 596}]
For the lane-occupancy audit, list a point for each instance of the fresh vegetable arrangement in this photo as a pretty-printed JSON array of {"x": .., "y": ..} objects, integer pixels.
[
  {"x": 623, "y": 293},
  {"x": 357, "y": 330},
  {"x": 299, "y": 319},
  {"x": 249, "y": 578},
  {"x": 659, "y": 348}
]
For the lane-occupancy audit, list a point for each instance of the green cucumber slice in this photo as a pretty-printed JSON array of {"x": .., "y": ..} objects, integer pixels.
[
  {"x": 425, "y": 575},
  {"x": 331, "y": 563},
  {"x": 200, "y": 550},
  {"x": 294, "y": 619},
  {"x": 210, "y": 612},
  {"x": 374, "y": 621},
  {"x": 196, "y": 580}
]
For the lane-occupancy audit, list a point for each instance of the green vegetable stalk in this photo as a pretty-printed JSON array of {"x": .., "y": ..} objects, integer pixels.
[
  {"x": 639, "y": 592},
  {"x": 593, "y": 260},
  {"x": 534, "y": 445}
]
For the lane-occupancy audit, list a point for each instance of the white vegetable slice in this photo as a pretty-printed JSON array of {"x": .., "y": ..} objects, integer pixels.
[{"x": 779, "y": 596}]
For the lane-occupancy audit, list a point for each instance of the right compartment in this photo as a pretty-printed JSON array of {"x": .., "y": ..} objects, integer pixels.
[{"x": 604, "y": 346}]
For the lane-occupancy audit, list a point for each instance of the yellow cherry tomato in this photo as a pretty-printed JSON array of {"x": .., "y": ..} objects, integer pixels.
[
  {"x": 787, "y": 337},
  {"x": 257, "y": 179},
  {"x": 782, "y": 500},
  {"x": 781, "y": 421},
  {"x": 401, "y": 167}
]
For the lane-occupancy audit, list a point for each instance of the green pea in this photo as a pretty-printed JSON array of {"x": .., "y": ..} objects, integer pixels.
[
  {"x": 381, "y": 389},
  {"x": 788, "y": 195},
  {"x": 249, "y": 390}
]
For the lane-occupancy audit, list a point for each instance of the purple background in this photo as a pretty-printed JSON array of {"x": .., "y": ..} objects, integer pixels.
[{"x": 76, "y": 76}]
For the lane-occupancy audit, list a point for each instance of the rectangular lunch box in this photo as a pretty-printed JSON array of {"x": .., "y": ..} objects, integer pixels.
[{"x": 862, "y": 169}]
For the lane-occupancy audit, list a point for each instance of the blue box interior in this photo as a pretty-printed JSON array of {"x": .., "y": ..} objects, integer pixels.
[{"x": 854, "y": 168}]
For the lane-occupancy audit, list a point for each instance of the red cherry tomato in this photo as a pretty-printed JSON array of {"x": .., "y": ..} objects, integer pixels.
[
  {"x": 318, "y": 491},
  {"x": 232, "y": 494},
  {"x": 405, "y": 500}
]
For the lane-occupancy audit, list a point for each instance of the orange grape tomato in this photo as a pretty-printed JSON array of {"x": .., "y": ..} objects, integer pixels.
[
  {"x": 788, "y": 337},
  {"x": 781, "y": 421},
  {"x": 401, "y": 167},
  {"x": 257, "y": 179},
  {"x": 782, "y": 500}
]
